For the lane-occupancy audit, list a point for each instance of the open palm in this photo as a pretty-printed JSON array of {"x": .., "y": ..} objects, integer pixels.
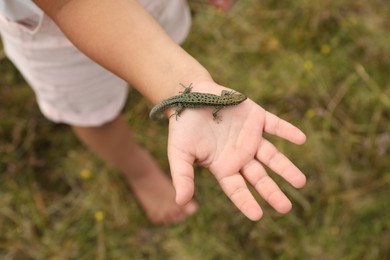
[{"x": 234, "y": 150}]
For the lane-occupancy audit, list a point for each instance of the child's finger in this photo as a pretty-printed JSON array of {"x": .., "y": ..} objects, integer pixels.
[
  {"x": 256, "y": 175},
  {"x": 279, "y": 127},
  {"x": 280, "y": 164},
  {"x": 236, "y": 189}
]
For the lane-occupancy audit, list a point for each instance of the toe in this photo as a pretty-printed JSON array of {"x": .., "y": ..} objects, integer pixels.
[{"x": 190, "y": 208}]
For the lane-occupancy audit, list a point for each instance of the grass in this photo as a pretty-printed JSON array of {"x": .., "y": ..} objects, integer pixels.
[{"x": 323, "y": 65}]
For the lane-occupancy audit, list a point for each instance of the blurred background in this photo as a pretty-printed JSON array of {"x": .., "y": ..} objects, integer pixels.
[{"x": 322, "y": 65}]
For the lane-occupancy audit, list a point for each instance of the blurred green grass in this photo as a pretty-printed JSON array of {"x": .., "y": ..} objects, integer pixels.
[{"x": 323, "y": 65}]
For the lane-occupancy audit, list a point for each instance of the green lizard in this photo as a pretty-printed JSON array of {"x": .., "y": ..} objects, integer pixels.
[{"x": 190, "y": 99}]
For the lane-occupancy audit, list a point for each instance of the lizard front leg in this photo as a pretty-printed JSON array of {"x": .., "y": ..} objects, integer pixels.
[
  {"x": 227, "y": 92},
  {"x": 186, "y": 89}
]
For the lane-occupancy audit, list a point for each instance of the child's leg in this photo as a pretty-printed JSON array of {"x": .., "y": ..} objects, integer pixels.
[{"x": 114, "y": 143}]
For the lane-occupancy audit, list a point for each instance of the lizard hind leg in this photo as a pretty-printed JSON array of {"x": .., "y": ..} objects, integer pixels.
[
  {"x": 178, "y": 110},
  {"x": 217, "y": 118}
]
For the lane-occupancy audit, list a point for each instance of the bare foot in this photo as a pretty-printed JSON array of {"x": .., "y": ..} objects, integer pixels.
[
  {"x": 223, "y": 5},
  {"x": 155, "y": 191}
]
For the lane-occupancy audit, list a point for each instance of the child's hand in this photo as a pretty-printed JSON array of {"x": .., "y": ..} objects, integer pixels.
[{"x": 234, "y": 150}]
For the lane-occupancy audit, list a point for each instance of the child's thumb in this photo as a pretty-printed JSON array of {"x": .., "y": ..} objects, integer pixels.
[{"x": 183, "y": 180}]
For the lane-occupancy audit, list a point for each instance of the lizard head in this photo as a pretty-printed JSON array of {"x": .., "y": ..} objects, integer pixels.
[{"x": 237, "y": 98}]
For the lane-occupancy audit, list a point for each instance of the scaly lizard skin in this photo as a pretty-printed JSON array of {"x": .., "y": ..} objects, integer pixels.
[{"x": 190, "y": 99}]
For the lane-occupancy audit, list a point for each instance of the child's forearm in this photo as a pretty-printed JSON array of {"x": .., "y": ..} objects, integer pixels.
[{"x": 121, "y": 36}]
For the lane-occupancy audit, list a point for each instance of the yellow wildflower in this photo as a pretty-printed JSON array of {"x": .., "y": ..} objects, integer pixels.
[
  {"x": 325, "y": 49},
  {"x": 335, "y": 230},
  {"x": 308, "y": 65},
  {"x": 85, "y": 174},
  {"x": 310, "y": 113},
  {"x": 99, "y": 216}
]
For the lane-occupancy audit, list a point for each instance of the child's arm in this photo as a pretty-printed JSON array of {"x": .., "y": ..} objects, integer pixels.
[{"x": 124, "y": 38}]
